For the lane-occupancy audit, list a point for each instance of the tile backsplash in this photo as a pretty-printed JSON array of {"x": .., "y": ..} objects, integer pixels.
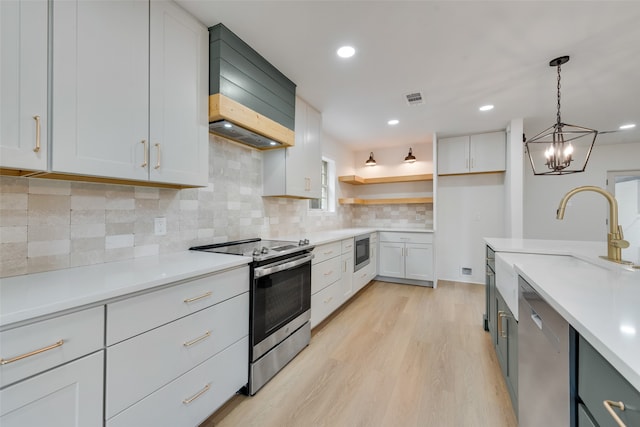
[{"x": 49, "y": 224}]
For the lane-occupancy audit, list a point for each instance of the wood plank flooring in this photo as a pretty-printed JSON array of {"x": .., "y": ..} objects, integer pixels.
[{"x": 396, "y": 355}]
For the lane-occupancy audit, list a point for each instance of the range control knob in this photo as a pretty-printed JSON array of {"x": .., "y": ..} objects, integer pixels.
[
  {"x": 301, "y": 242},
  {"x": 264, "y": 250},
  {"x": 256, "y": 251},
  {"x": 306, "y": 241}
]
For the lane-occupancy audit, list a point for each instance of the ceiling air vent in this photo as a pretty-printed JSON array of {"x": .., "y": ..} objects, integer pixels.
[{"x": 414, "y": 98}]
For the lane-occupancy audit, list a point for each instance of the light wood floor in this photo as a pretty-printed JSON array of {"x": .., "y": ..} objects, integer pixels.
[{"x": 396, "y": 355}]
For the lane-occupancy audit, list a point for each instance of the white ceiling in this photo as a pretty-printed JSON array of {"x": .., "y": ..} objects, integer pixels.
[{"x": 460, "y": 55}]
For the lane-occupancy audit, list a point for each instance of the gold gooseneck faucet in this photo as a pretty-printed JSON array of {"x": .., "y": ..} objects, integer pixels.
[{"x": 615, "y": 238}]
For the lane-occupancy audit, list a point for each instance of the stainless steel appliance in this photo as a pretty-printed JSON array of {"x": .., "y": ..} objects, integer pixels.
[
  {"x": 543, "y": 362},
  {"x": 280, "y": 302},
  {"x": 361, "y": 252}
]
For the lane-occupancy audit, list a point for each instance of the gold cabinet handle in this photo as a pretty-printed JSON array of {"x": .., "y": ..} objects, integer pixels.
[
  {"x": 328, "y": 300},
  {"x": 199, "y": 297},
  {"x": 37, "y": 147},
  {"x": 157, "y": 166},
  {"x": 197, "y": 340},
  {"x": 197, "y": 395},
  {"x": 608, "y": 405},
  {"x": 500, "y": 328},
  {"x": 31, "y": 353},
  {"x": 146, "y": 154},
  {"x": 328, "y": 273},
  {"x": 328, "y": 253}
]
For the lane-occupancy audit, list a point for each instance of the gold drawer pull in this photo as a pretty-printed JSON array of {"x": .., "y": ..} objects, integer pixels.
[
  {"x": 197, "y": 395},
  {"x": 146, "y": 153},
  {"x": 37, "y": 147},
  {"x": 608, "y": 404},
  {"x": 208, "y": 294},
  {"x": 157, "y": 166},
  {"x": 32, "y": 353},
  {"x": 328, "y": 300},
  {"x": 197, "y": 340},
  {"x": 328, "y": 273}
]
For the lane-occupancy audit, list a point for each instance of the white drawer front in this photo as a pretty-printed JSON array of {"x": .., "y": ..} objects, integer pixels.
[
  {"x": 140, "y": 365},
  {"x": 324, "y": 252},
  {"x": 325, "y": 273},
  {"x": 209, "y": 386},
  {"x": 144, "y": 312},
  {"x": 325, "y": 302},
  {"x": 52, "y": 342},
  {"x": 401, "y": 237},
  {"x": 67, "y": 396},
  {"x": 373, "y": 237},
  {"x": 347, "y": 246}
]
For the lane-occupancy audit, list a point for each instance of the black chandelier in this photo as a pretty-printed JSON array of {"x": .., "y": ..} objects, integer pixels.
[{"x": 562, "y": 148}]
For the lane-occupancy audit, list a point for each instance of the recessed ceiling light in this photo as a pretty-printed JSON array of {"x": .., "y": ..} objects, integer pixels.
[
  {"x": 393, "y": 122},
  {"x": 628, "y": 126},
  {"x": 273, "y": 143},
  {"x": 228, "y": 125},
  {"x": 486, "y": 107},
  {"x": 346, "y": 52}
]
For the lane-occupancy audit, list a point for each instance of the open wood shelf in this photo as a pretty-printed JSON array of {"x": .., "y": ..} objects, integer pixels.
[
  {"x": 398, "y": 201},
  {"x": 357, "y": 180}
]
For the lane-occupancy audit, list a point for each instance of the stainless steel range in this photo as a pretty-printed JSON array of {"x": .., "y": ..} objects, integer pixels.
[{"x": 280, "y": 295}]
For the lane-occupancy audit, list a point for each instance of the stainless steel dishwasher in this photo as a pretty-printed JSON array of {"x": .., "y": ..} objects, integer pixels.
[{"x": 543, "y": 362}]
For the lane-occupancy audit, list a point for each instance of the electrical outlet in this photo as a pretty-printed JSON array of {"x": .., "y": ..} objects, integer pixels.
[
  {"x": 160, "y": 226},
  {"x": 466, "y": 271}
]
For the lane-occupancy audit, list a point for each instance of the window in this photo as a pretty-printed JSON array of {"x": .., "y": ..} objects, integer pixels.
[{"x": 327, "y": 188}]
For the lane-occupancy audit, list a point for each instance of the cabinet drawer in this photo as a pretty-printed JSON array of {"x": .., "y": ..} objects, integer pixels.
[
  {"x": 140, "y": 365},
  {"x": 325, "y": 302},
  {"x": 325, "y": 273},
  {"x": 599, "y": 381},
  {"x": 144, "y": 312},
  {"x": 80, "y": 333},
  {"x": 399, "y": 237},
  {"x": 325, "y": 252},
  {"x": 191, "y": 398},
  {"x": 347, "y": 246},
  {"x": 67, "y": 396}
]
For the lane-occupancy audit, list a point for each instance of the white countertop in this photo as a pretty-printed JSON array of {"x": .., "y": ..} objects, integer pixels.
[
  {"x": 41, "y": 294},
  {"x": 328, "y": 236},
  {"x": 600, "y": 299}
]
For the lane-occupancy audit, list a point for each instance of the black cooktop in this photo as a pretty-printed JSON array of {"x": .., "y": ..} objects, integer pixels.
[{"x": 257, "y": 248}]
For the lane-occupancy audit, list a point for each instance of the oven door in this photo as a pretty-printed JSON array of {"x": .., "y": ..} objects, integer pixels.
[{"x": 281, "y": 301}]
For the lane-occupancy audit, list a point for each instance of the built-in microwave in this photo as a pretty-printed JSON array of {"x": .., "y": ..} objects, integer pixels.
[{"x": 361, "y": 252}]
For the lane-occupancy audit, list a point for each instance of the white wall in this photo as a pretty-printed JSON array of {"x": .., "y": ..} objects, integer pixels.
[
  {"x": 585, "y": 217},
  {"x": 513, "y": 180},
  {"x": 469, "y": 207}
]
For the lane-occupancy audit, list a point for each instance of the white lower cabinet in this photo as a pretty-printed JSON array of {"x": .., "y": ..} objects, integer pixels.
[
  {"x": 139, "y": 366},
  {"x": 175, "y": 358},
  {"x": 68, "y": 396},
  {"x": 347, "y": 274},
  {"x": 406, "y": 256},
  {"x": 191, "y": 398},
  {"x": 324, "y": 302}
]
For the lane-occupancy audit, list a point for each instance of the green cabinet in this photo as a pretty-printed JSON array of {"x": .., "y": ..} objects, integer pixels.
[
  {"x": 598, "y": 382},
  {"x": 507, "y": 347}
]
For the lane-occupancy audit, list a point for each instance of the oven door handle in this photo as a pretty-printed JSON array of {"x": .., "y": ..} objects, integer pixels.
[{"x": 285, "y": 265}]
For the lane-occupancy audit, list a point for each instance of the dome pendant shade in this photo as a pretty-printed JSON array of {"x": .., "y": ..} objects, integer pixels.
[
  {"x": 410, "y": 157},
  {"x": 371, "y": 161},
  {"x": 562, "y": 148}
]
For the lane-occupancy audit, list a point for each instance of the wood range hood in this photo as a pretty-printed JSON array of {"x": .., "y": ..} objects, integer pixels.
[{"x": 250, "y": 101}]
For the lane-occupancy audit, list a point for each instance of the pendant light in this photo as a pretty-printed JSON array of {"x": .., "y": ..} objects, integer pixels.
[
  {"x": 562, "y": 148},
  {"x": 410, "y": 157},
  {"x": 371, "y": 161}
]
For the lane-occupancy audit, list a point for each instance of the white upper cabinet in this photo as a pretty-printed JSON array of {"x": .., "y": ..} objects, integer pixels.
[
  {"x": 23, "y": 84},
  {"x": 296, "y": 171},
  {"x": 178, "y": 107},
  {"x": 479, "y": 153},
  {"x": 129, "y": 91}
]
